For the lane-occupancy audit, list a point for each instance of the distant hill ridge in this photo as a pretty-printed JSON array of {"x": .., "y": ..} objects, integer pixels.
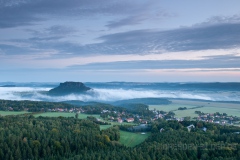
[
  {"x": 8, "y": 85},
  {"x": 69, "y": 88}
]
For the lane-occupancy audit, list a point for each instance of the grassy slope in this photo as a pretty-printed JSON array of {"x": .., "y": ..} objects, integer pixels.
[
  {"x": 102, "y": 127},
  {"x": 169, "y": 107},
  {"x": 130, "y": 139},
  {"x": 229, "y": 111},
  {"x": 207, "y": 107},
  {"x": 211, "y": 107}
]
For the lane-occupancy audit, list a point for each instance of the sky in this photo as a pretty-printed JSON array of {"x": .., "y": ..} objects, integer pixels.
[{"x": 119, "y": 40}]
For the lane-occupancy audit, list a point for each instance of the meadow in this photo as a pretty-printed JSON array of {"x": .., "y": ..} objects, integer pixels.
[
  {"x": 229, "y": 111},
  {"x": 204, "y": 106},
  {"x": 131, "y": 139},
  {"x": 169, "y": 107},
  {"x": 186, "y": 113},
  {"x": 102, "y": 127}
]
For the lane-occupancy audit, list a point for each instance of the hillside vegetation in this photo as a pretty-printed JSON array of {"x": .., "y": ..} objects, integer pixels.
[{"x": 26, "y": 137}]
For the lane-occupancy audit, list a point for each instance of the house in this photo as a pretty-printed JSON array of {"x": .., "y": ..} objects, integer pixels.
[
  {"x": 190, "y": 127},
  {"x": 129, "y": 120},
  {"x": 104, "y": 111},
  {"x": 204, "y": 129},
  {"x": 179, "y": 119},
  {"x": 211, "y": 121},
  {"x": 60, "y": 109},
  {"x": 144, "y": 121},
  {"x": 120, "y": 120},
  {"x": 111, "y": 118}
]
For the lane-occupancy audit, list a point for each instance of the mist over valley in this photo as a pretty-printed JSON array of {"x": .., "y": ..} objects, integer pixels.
[{"x": 114, "y": 91}]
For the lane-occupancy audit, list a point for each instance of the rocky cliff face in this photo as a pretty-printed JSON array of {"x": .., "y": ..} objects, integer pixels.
[{"x": 69, "y": 88}]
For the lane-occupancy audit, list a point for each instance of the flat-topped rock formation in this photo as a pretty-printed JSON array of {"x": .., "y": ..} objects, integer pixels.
[{"x": 69, "y": 88}]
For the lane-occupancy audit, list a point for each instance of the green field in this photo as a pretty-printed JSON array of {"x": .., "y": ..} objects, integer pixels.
[
  {"x": 102, "y": 127},
  {"x": 206, "y": 107},
  {"x": 130, "y": 139},
  {"x": 185, "y": 113},
  {"x": 114, "y": 123},
  {"x": 6, "y": 113},
  {"x": 229, "y": 111},
  {"x": 169, "y": 107}
]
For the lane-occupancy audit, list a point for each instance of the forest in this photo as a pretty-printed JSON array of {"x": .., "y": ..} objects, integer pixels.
[
  {"x": 31, "y": 106},
  {"x": 27, "y": 137},
  {"x": 89, "y": 108}
]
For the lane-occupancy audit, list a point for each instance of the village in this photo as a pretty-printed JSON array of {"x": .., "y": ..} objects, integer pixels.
[
  {"x": 129, "y": 117},
  {"x": 217, "y": 118}
]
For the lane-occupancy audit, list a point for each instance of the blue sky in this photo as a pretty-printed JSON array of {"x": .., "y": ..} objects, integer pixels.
[{"x": 112, "y": 40}]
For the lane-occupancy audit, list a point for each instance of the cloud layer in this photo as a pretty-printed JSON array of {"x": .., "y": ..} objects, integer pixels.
[
  {"x": 50, "y": 35},
  {"x": 15, "y": 13}
]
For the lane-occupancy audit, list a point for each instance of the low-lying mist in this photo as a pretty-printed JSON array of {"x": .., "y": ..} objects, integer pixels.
[{"x": 102, "y": 94}]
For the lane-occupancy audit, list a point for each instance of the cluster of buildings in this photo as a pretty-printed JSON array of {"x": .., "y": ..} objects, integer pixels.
[
  {"x": 71, "y": 110},
  {"x": 120, "y": 117},
  {"x": 216, "y": 118}
]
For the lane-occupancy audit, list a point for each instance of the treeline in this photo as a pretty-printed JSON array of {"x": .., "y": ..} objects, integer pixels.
[
  {"x": 37, "y": 106},
  {"x": 136, "y": 128},
  {"x": 176, "y": 142},
  {"x": 32, "y": 106},
  {"x": 138, "y": 108},
  {"x": 91, "y": 108},
  {"x": 182, "y": 108},
  {"x": 95, "y": 120},
  {"x": 51, "y": 138},
  {"x": 26, "y": 137},
  {"x": 97, "y": 108}
]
